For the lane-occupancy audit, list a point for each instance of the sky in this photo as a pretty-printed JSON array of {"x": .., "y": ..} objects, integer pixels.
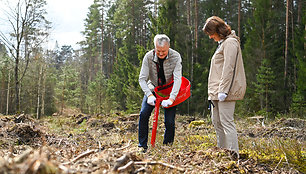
[{"x": 67, "y": 18}]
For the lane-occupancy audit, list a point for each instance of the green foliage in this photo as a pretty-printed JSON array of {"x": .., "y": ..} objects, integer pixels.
[
  {"x": 101, "y": 83},
  {"x": 67, "y": 88},
  {"x": 132, "y": 89},
  {"x": 298, "y": 104},
  {"x": 264, "y": 85},
  {"x": 261, "y": 51},
  {"x": 125, "y": 80},
  {"x": 50, "y": 83},
  {"x": 274, "y": 151},
  {"x": 167, "y": 19},
  {"x": 129, "y": 20},
  {"x": 95, "y": 99},
  {"x": 298, "y": 101}
]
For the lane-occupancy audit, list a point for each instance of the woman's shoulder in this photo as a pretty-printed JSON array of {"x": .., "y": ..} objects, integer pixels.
[{"x": 232, "y": 41}]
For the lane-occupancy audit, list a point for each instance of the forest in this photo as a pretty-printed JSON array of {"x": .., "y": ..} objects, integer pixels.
[
  {"x": 102, "y": 76},
  {"x": 60, "y": 103}
]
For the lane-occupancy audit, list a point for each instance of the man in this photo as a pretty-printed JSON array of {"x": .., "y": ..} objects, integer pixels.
[{"x": 160, "y": 66}]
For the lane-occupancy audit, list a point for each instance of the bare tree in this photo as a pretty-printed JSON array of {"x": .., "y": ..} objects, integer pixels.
[
  {"x": 28, "y": 30},
  {"x": 8, "y": 93},
  {"x": 286, "y": 45},
  {"x": 102, "y": 38},
  {"x": 239, "y": 18}
]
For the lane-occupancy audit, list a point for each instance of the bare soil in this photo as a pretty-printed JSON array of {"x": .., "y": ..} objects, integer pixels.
[{"x": 81, "y": 143}]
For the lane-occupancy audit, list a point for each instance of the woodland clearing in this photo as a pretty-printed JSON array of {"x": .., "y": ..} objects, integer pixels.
[{"x": 80, "y": 143}]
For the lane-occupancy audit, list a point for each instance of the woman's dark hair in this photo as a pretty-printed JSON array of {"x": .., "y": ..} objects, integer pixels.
[{"x": 214, "y": 25}]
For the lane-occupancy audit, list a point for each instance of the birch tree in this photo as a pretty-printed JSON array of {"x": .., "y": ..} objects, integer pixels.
[{"x": 28, "y": 28}]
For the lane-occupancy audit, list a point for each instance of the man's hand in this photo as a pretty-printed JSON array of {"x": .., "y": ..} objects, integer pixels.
[
  {"x": 151, "y": 100},
  {"x": 166, "y": 103},
  {"x": 222, "y": 96}
]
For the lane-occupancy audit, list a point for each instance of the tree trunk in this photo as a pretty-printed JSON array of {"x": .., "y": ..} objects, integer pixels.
[
  {"x": 133, "y": 22},
  {"x": 188, "y": 13},
  {"x": 17, "y": 83},
  {"x": 110, "y": 57},
  {"x": 286, "y": 49},
  {"x": 299, "y": 18},
  {"x": 239, "y": 18},
  {"x": 102, "y": 38},
  {"x": 195, "y": 29},
  {"x": 43, "y": 92},
  {"x": 39, "y": 92},
  {"x": 63, "y": 95},
  {"x": 8, "y": 92},
  {"x": 2, "y": 91},
  {"x": 155, "y": 8},
  {"x": 189, "y": 37},
  {"x": 293, "y": 49},
  {"x": 19, "y": 93}
]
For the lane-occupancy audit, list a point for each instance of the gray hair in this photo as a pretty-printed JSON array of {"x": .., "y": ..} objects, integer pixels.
[{"x": 161, "y": 39}]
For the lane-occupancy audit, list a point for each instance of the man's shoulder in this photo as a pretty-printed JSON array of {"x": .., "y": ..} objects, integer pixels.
[
  {"x": 149, "y": 54},
  {"x": 173, "y": 53}
]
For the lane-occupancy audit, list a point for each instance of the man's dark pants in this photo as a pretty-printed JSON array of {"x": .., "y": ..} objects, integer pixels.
[{"x": 143, "y": 127}]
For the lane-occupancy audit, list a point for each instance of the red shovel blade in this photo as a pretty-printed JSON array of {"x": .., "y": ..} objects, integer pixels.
[{"x": 155, "y": 120}]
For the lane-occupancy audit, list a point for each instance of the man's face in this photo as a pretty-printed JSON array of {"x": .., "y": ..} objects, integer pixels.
[{"x": 162, "y": 51}]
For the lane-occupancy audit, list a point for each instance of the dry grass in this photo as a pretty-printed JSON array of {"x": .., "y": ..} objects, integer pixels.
[{"x": 62, "y": 143}]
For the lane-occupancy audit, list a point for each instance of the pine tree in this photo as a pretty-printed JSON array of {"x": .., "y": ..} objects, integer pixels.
[
  {"x": 262, "y": 42},
  {"x": 92, "y": 44},
  {"x": 298, "y": 104},
  {"x": 264, "y": 85},
  {"x": 96, "y": 98}
]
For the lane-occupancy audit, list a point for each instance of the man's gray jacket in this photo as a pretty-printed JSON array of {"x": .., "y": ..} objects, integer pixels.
[{"x": 148, "y": 79}]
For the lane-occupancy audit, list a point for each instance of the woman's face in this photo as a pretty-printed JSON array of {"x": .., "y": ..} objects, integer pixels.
[{"x": 215, "y": 36}]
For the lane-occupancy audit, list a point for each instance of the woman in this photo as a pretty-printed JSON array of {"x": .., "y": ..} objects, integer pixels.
[{"x": 226, "y": 82}]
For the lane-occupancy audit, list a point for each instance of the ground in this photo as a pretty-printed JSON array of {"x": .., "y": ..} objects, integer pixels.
[{"x": 80, "y": 143}]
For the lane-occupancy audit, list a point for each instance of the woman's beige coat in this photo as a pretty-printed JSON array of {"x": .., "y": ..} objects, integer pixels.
[{"x": 222, "y": 76}]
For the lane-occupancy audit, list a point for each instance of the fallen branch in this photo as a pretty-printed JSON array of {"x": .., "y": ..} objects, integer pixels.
[
  {"x": 126, "y": 167},
  {"x": 86, "y": 153},
  {"x": 66, "y": 170},
  {"x": 23, "y": 156},
  {"x": 100, "y": 147},
  {"x": 82, "y": 155},
  {"x": 121, "y": 148},
  {"x": 134, "y": 115},
  {"x": 260, "y": 119},
  {"x": 292, "y": 128},
  {"x": 278, "y": 163},
  {"x": 159, "y": 163},
  {"x": 59, "y": 143},
  {"x": 142, "y": 169},
  {"x": 120, "y": 161}
]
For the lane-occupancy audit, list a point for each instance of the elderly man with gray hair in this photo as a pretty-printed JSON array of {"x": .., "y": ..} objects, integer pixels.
[{"x": 159, "y": 67}]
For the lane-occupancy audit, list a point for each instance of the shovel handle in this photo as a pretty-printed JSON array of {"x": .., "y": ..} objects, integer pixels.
[{"x": 155, "y": 120}]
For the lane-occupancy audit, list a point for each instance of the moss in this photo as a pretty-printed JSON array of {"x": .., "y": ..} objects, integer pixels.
[
  {"x": 231, "y": 165},
  {"x": 81, "y": 128},
  {"x": 276, "y": 152},
  {"x": 199, "y": 142},
  {"x": 196, "y": 123}
]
